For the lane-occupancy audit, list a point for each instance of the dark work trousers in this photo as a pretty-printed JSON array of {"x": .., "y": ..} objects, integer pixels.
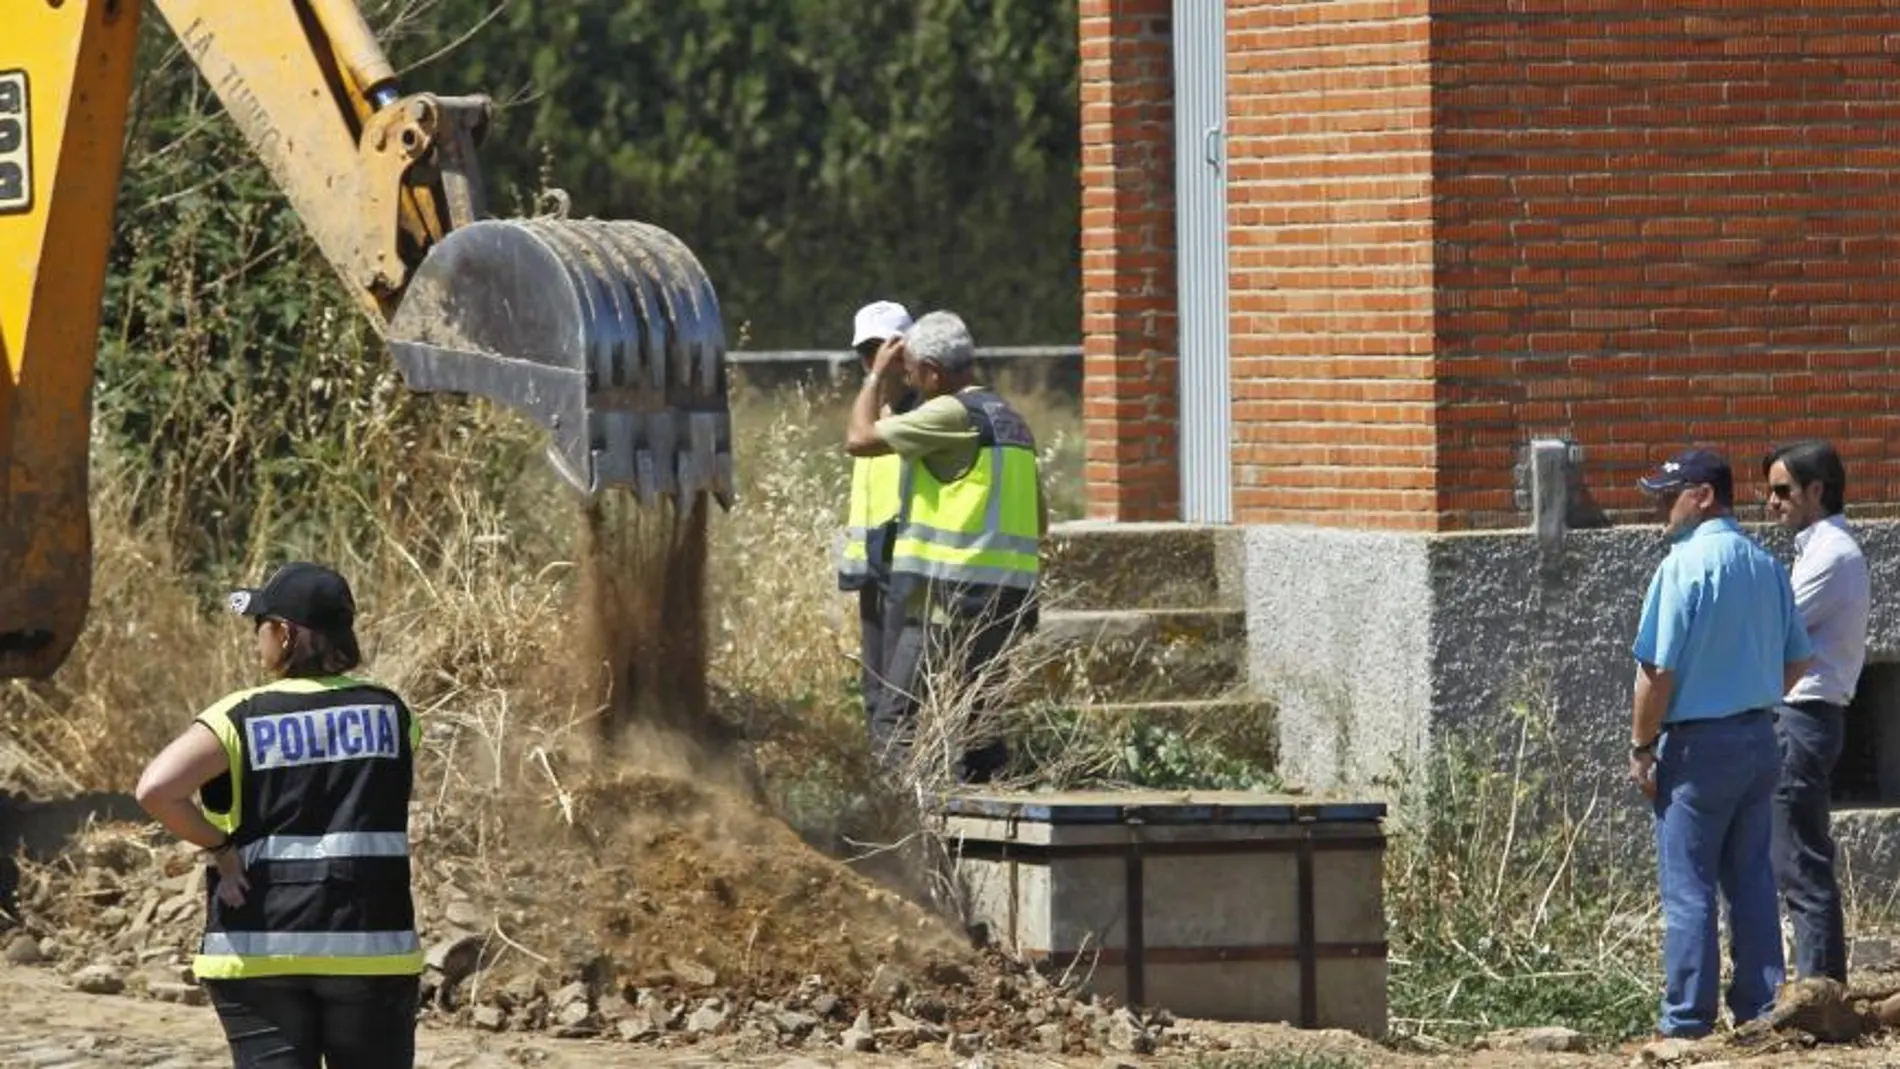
[
  {"x": 880, "y": 619},
  {"x": 1810, "y": 733},
  {"x": 309, "y": 1022},
  {"x": 965, "y": 648}
]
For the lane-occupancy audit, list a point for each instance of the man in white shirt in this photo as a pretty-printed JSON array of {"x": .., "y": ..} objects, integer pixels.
[{"x": 1807, "y": 488}]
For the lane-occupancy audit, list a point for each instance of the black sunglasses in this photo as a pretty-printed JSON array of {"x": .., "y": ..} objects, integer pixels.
[{"x": 1781, "y": 490}]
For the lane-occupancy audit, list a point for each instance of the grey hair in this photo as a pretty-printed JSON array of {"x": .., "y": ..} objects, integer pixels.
[{"x": 941, "y": 338}]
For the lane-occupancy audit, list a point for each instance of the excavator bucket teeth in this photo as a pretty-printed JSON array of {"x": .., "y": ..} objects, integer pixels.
[{"x": 606, "y": 333}]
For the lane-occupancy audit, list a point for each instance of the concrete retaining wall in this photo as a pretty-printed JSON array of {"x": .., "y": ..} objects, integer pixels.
[{"x": 1372, "y": 645}]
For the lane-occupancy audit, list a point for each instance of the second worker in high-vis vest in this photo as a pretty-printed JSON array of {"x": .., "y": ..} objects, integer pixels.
[
  {"x": 310, "y": 946},
  {"x": 864, "y": 548},
  {"x": 966, "y": 559}
]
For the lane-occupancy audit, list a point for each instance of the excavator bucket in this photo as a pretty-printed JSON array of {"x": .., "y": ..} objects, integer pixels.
[{"x": 606, "y": 333}]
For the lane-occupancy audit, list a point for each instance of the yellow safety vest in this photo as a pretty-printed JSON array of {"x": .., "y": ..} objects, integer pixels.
[
  {"x": 976, "y": 534},
  {"x": 876, "y": 486},
  {"x": 317, "y": 805}
]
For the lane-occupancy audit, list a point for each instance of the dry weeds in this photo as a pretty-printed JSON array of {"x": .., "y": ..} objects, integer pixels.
[{"x": 583, "y": 788}]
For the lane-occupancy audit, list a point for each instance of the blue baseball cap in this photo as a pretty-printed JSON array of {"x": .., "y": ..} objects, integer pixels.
[{"x": 1690, "y": 468}]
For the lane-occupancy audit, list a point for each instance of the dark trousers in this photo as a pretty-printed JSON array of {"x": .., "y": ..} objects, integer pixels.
[
  {"x": 1810, "y": 734},
  {"x": 880, "y": 619},
  {"x": 308, "y": 1022},
  {"x": 966, "y": 649}
]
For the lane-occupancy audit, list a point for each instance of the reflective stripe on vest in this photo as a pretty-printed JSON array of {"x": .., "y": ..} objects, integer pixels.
[
  {"x": 342, "y": 844},
  {"x": 311, "y": 944},
  {"x": 980, "y": 529},
  {"x": 876, "y": 488}
]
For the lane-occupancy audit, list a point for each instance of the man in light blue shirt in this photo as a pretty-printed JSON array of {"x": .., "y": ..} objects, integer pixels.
[{"x": 1719, "y": 643}]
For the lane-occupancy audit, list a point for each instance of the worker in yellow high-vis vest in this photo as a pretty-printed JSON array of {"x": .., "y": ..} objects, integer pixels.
[
  {"x": 864, "y": 551},
  {"x": 966, "y": 559}
]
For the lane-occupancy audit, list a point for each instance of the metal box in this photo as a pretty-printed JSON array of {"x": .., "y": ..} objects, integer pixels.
[{"x": 1219, "y": 905}]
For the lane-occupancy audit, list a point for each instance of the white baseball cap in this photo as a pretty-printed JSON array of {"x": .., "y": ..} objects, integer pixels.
[{"x": 878, "y": 321}]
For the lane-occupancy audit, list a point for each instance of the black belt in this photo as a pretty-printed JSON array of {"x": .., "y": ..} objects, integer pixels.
[{"x": 1732, "y": 718}]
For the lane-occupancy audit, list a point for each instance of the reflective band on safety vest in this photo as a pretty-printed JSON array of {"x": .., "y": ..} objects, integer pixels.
[
  {"x": 311, "y": 944},
  {"x": 317, "y": 805},
  {"x": 876, "y": 486},
  {"x": 322, "y": 847},
  {"x": 980, "y": 529}
]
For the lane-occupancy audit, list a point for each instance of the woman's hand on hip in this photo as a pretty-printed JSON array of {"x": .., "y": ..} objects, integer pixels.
[{"x": 231, "y": 882}]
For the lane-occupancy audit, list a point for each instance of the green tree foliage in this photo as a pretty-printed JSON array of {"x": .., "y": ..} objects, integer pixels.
[{"x": 814, "y": 153}]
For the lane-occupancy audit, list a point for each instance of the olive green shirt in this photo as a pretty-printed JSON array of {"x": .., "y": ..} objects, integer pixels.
[{"x": 938, "y": 432}]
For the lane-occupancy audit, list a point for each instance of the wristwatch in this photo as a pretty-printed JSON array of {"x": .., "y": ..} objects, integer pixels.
[{"x": 1642, "y": 750}]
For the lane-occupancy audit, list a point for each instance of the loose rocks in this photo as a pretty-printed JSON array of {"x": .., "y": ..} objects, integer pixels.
[
  {"x": 99, "y": 980},
  {"x": 25, "y": 950},
  {"x": 1541, "y": 1040}
]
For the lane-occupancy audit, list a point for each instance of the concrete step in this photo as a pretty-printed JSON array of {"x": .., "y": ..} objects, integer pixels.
[
  {"x": 1114, "y": 656},
  {"x": 1091, "y": 564}
]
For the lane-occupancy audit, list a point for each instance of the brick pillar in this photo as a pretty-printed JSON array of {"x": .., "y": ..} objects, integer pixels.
[
  {"x": 1330, "y": 262},
  {"x": 1129, "y": 403}
]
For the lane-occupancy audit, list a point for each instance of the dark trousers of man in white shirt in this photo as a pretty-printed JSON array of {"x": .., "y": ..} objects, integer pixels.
[{"x": 1810, "y": 733}]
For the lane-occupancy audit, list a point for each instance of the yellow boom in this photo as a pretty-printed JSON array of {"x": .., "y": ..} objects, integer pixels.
[{"x": 606, "y": 333}]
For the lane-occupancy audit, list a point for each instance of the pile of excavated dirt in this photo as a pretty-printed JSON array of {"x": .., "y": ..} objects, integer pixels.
[
  {"x": 634, "y": 930},
  {"x": 660, "y": 880}
]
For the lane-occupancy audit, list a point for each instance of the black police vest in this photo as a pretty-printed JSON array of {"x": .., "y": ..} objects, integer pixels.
[{"x": 317, "y": 804}]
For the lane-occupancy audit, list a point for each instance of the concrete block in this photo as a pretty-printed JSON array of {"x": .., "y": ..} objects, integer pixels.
[
  {"x": 1223, "y": 905},
  {"x": 1548, "y": 472},
  {"x": 1867, "y": 856},
  {"x": 1339, "y": 637}
]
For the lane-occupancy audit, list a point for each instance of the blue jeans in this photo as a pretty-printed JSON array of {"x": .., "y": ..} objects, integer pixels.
[
  {"x": 1715, "y": 796},
  {"x": 1811, "y": 736}
]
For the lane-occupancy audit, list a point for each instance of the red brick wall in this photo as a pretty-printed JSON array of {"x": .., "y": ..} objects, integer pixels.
[
  {"x": 1658, "y": 226},
  {"x": 1329, "y": 213},
  {"x": 1625, "y": 222},
  {"x": 1129, "y": 405}
]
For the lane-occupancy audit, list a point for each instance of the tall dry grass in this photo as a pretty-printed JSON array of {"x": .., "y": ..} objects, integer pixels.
[
  {"x": 469, "y": 607},
  {"x": 474, "y": 611}
]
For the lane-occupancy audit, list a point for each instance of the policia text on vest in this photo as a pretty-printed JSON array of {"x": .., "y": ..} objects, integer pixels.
[{"x": 317, "y": 806}]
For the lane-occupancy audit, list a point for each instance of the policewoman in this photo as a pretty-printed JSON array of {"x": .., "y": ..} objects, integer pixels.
[{"x": 309, "y": 951}]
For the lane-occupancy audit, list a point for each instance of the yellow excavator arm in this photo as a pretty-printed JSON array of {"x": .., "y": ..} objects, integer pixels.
[{"x": 605, "y": 333}]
